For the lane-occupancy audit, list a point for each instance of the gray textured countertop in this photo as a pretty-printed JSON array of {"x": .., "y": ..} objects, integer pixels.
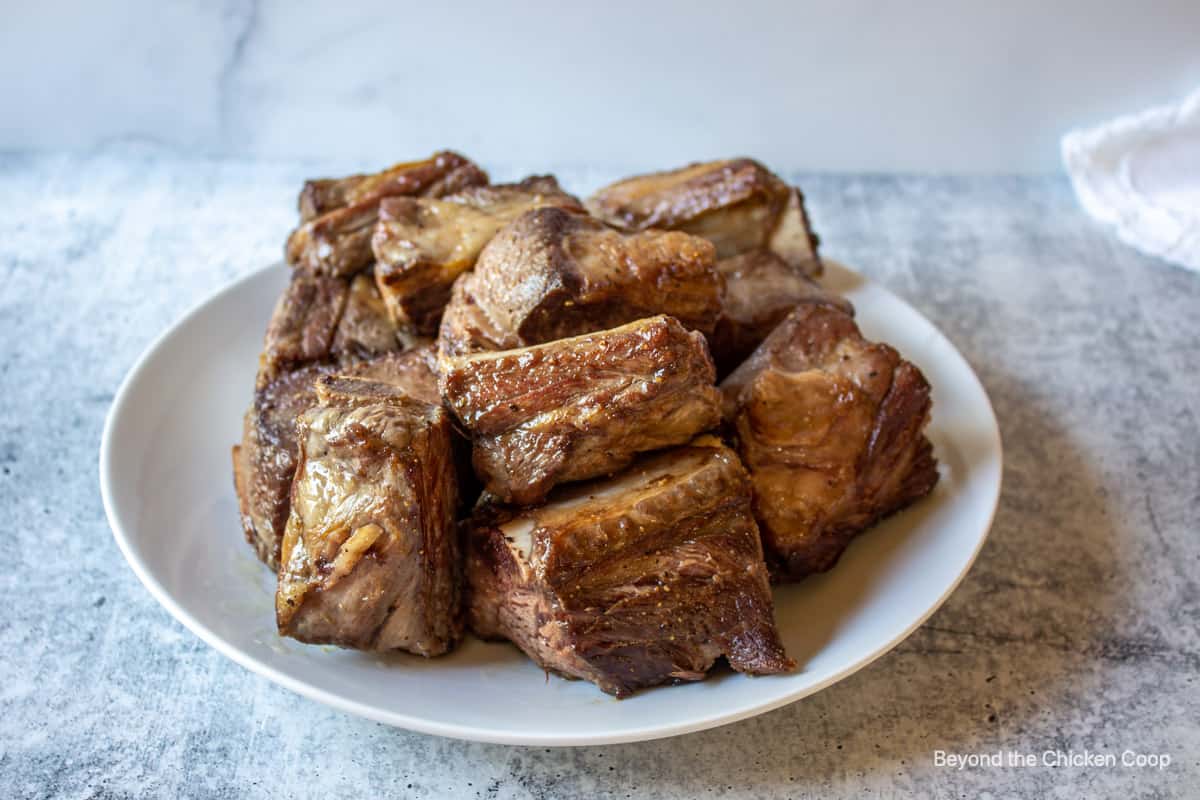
[{"x": 1076, "y": 630}]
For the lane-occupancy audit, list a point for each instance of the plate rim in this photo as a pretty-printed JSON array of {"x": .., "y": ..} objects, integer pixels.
[{"x": 469, "y": 732}]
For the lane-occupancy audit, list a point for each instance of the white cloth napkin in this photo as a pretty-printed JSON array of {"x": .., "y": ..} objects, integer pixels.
[{"x": 1141, "y": 174}]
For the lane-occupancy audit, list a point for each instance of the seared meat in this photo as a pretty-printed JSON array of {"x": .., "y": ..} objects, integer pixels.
[
  {"x": 364, "y": 330},
  {"x": 319, "y": 318},
  {"x": 370, "y": 556},
  {"x": 739, "y": 205},
  {"x": 758, "y": 223},
  {"x": 320, "y": 325},
  {"x": 465, "y": 328},
  {"x": 581, "y": 407},
  {"x": 553, "y": 273},
  {"x": 337, "y": 241},
  {"x": 793, "y": 238},
  {"x": 413, "y": 372},
  {"x": 431, "y": 176},
  {"x": 302, "y": 325},
  {"x": 640, "y": 579},
  {"x": 422, "y": 244},
  {"x": 264, "y": 463},
  {"x": 831, "y": 428},
  {"x": 760, "y": 290}
]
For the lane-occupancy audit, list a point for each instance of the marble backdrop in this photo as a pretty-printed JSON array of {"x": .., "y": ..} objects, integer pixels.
[{"x": 812, "y": 84}]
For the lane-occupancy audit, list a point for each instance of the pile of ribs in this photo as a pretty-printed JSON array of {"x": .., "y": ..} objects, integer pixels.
[{"x": 598, "y": 429}]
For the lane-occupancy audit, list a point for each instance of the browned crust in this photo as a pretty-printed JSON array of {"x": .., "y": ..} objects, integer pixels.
[
  {"x": 303, "y": 325},
  {"x": 322, "y": 195},
  {"x": 412, "y": 372},
  {"x": 322, "y": 324},
  {"x": 760, "y": 290},
  {"x": 671, "y": 198},
  {"x": 553, "y": 274},
  {"x": 364, "y": 330},
  {"x": 337, "y": 240},
  {"x": 831, "y": 468},
  {"x": 241, "y": 487},
  {"x": 737, "y": 203},
  {"x": 421, "y": 244},
  {"x": 266, "y": 458},
  {"x": 693, "y": 550},
  {"x": 465, "y": 328},
  {"x": 581, "y": 407},
  {"x": 403, "y": 590}
]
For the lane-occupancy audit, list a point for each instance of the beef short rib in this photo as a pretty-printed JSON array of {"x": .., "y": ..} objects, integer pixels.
[
  {"x": 552, "y": 273},
  {"x": 581, "y": 407},
  {"x": 320, "y": 325},
  {"x": 641, "y": 579},
  {"x": 422, "y": 244},
  {"x": 737, "y": 204},
  {"x": 760, "y": 290},
  {"x": 338, "y": 216},
  {"x": 364, "y": 330},
  {"x": 303, "y": 324},
  {"x": 831, "y": 428},
  {"x": 369, "y": 557},
  {"x": 465, "y": 328},
  {"x": 265, "y": 461},
  {"x": 323, "y": 319},
  {"x": 432, "y": 176}
]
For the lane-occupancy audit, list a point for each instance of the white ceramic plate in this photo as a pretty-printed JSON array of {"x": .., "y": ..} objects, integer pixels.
[{"x": 165, "y": 478}]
